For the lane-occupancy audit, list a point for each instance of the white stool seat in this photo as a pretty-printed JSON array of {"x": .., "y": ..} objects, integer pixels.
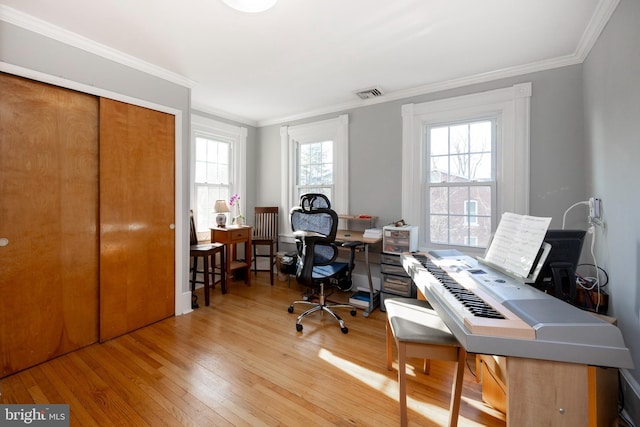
[{"x": 419, "y": 332}]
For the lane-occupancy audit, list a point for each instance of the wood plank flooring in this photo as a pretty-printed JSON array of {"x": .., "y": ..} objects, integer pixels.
[{"x": 240, "y": 362}]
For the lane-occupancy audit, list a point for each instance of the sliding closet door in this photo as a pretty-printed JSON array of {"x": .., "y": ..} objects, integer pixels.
[
  {"x": 48, "y": 218},
  {"x": 137, "y": 206}
]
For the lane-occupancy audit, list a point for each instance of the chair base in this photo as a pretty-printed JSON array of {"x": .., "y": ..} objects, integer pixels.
[{"x": 322, "y": 306}]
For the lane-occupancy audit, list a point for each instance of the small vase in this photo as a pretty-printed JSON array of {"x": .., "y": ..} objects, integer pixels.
[{"x": 239, "y": 221}]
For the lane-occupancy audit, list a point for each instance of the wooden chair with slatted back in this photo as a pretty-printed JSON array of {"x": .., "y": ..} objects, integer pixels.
[{"x": 265, "y": 233}]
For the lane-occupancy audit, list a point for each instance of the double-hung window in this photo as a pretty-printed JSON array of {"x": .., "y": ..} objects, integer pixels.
[
  {"x": 219, "y": 167},
  {"x": 459, "y": 185},
  {"x": 316, "y": 155},
  {"x": 465, "y": 162}
]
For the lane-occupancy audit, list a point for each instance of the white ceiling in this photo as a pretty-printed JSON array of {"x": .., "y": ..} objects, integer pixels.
[{"x": 308, "y": 57}]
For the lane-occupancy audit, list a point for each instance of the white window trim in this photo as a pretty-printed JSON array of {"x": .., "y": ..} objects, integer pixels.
[
  {"x": 512, "y": 107},
  {"x": 238, "y": 137},
  {"x": 335, "y": 129}
]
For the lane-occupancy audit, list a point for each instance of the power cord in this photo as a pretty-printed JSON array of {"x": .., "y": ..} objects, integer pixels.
[{"x": 594, "y": 282}]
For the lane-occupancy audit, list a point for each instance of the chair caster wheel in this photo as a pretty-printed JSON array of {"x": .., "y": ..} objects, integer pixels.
[
  {"x": 290, "y": 309},
  {"x": 299, "y": 327},
  {"x": 344, "y": 330},
  {"x": 353, "y": 312}
]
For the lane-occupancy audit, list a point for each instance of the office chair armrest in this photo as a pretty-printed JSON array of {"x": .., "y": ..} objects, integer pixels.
[
  {"x": 306, "y": 234},
  {"x": 353, "y": 244}
]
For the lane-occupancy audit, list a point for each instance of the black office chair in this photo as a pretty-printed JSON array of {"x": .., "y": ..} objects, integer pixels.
[{"x": 314, "y": 226}]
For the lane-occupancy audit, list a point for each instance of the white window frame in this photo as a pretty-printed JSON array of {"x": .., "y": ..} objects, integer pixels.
[
  {"x": 511, "y": 106},
  {"x": 336, "y": 130},
  {"x": 237, "y": 136}
]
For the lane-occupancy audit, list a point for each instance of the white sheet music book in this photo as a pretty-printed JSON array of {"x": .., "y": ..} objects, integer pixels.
[{"x": 519, "y": 243}]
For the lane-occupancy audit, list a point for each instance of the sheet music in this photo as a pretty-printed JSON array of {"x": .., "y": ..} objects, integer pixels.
[{"x": 516, "y": 242}]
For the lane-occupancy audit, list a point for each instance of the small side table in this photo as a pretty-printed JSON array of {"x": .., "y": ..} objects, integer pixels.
[{"x": 230, "y": 237}]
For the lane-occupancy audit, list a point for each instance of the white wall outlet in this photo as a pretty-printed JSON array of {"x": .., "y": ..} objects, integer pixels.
[{"x": 594, "y": 208}]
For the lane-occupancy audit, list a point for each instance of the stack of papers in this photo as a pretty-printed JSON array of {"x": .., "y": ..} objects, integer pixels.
[{"x": 373, "y": 233}]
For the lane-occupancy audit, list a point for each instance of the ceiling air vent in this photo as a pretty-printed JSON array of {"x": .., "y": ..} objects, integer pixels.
[{"x": 369, "y": 93}]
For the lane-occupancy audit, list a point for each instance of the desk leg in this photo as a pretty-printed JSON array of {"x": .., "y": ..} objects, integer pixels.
[
  {"x": 247, "y": 254},
  {"x": 372, "y": 304},
  {"x": 223, "y": 270},
  {"x": 206, "y": 280},
  {"x": 227, "y": 262}
]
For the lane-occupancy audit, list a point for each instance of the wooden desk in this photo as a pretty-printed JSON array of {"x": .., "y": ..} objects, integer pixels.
[
  {"x": 231, "y": 236},
  {"x": 357, "y": 236}
]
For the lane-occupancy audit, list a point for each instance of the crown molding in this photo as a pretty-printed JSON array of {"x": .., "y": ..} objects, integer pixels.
[
  {"x": 207, "y": 109},
  {"x": 39, "y": 26},
  {"x": 599, "y": 19}
]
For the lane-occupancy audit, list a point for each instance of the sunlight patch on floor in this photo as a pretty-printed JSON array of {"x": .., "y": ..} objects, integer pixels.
[{"x": 389, "y": 388}]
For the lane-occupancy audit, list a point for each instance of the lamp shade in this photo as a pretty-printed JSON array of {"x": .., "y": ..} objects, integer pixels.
[{"x": 221, "y": 206}]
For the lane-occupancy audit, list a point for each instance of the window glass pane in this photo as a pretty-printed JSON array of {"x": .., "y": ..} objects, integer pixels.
[
  {"x": 439, "y": 171},
  {"x": 327, "y": 152},
  {"x": 200, "y": 172},
  {"x": 459, "y": 229},
  {"x": 223, "y": 153},
  {"x": 224, "y": 174},
  {"x": 459, "y": 136},
  {"x": 439, "y": 200},
  {"x": 439, "y": 228},
  {"x": 480, "y": 167},
  {"x": 480, "y": 136},
  {"x": 458, "y": 196},
  {"x": 439, "y": 142},
  {"x": 482, "y": 196},
  {"x": 481, "y": 231},
  {"x": 459, "y": 168}
]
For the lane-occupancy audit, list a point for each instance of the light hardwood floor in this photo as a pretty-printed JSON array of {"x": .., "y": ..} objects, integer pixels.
[{"x": 240, "y": 362}]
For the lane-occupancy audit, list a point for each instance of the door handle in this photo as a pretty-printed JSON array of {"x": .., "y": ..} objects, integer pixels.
[{"x": 4, "y": 241}]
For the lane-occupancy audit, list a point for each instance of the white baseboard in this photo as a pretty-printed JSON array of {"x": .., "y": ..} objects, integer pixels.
[{"x": 183, "y": 303}]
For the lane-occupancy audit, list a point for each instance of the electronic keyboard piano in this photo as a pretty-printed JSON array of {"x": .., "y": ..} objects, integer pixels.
[{"x": 490, "y": 312}]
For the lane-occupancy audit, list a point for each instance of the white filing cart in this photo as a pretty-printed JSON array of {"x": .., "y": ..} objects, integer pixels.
[{"x": 394, "y": 280}]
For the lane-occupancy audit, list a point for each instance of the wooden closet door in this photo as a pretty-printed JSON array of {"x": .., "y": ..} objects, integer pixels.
[
  {"x": 48, "y": 222},
  {"x": 137, "y": 205}
]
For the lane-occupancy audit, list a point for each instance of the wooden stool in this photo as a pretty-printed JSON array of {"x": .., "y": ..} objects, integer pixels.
[
  {"x": 206, "y": 251},
  {"x": 419, "y": 332}
]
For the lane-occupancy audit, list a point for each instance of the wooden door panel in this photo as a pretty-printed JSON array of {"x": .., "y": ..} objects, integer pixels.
[
  {"x": 48, "y": 213},
  {"x": 137, "y": 205}
]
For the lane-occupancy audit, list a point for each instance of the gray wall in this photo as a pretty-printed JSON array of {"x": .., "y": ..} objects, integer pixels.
[
  {"x": 612, "y": 116},
  {"x": 558, "y": 176}
]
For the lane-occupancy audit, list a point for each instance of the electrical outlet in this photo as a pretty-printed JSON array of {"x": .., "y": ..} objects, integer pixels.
[{"x": 594, "y": 208}]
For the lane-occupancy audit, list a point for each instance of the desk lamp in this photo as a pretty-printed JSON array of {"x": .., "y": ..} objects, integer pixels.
[{"x": 221, "y": 208}]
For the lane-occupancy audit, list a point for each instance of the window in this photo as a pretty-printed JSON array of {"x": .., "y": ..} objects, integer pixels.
[
  {"x": 317, "y": 158},
  {"x": 465, "y": 161},
  {"x": 219, "y": 167},
  {"x": 314, "y": 171},
  {"x": 459, "y": 164}
]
